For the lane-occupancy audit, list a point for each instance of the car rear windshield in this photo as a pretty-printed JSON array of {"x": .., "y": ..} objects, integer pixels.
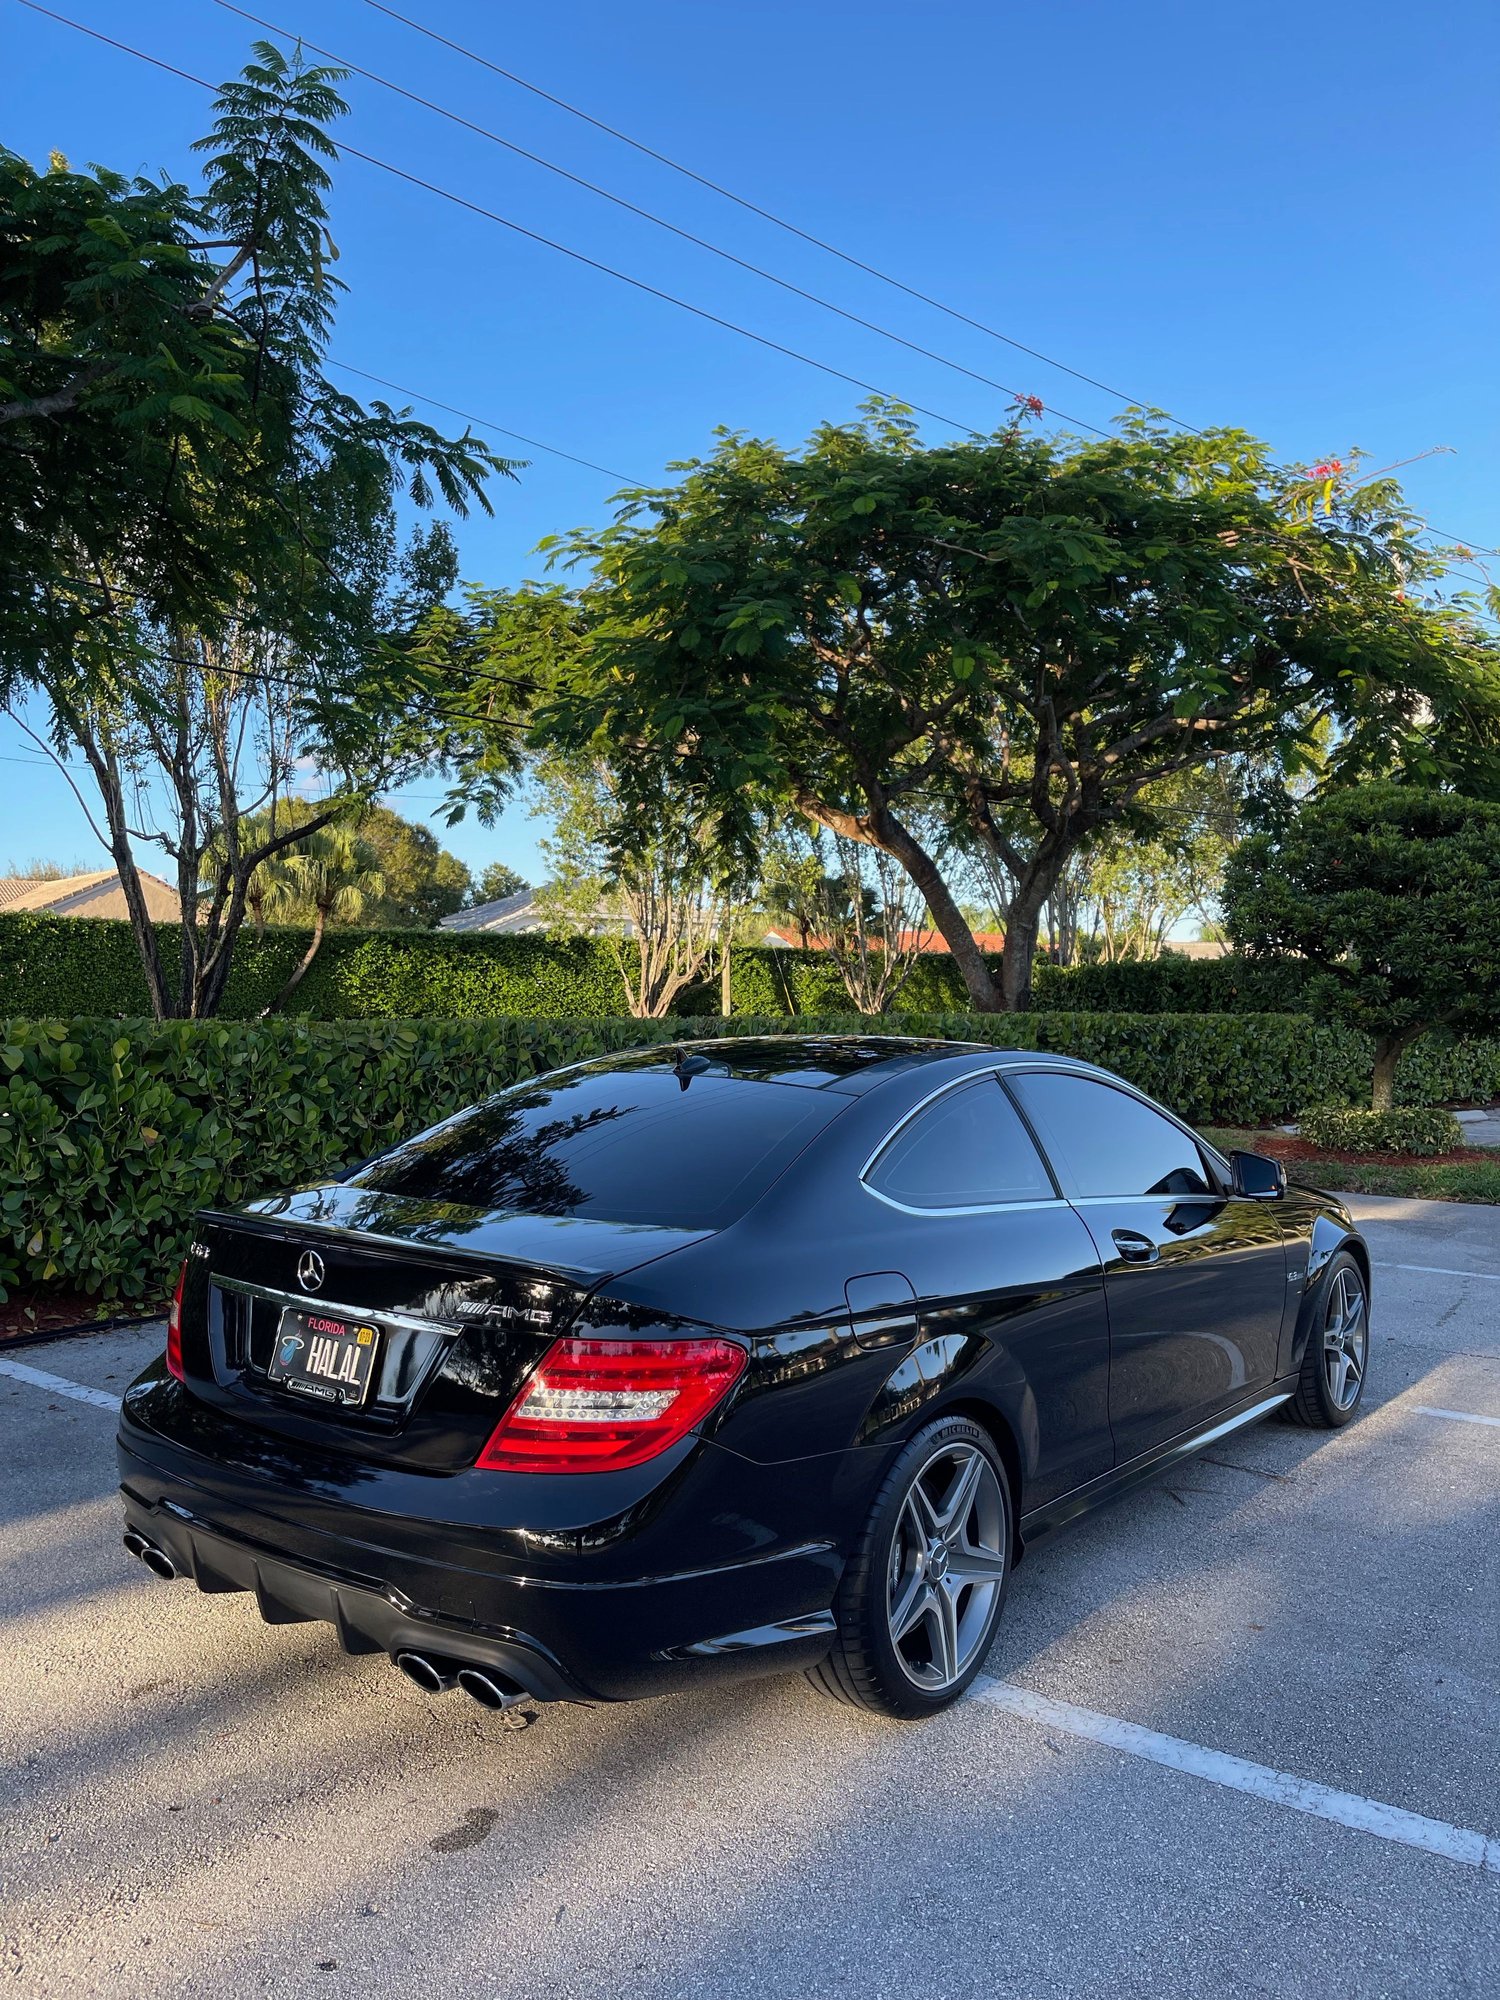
[{"x": 642, "y": 1144}]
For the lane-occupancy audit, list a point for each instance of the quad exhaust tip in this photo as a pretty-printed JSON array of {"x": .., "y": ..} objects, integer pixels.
[
  {"x": 491, "y": 1690},
  {"x": 486, "y": 1685},
  {"x": 156, "y": 1560},
  {"x": 431, "y": 1676}
]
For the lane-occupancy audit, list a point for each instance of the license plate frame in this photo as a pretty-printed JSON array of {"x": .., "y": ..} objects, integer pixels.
[{"x": 333, "y": 1362}]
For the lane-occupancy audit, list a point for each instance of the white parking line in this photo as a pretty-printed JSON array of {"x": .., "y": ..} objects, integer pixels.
[
  {"x": 1439, "y": 1271},
  {"x": 58, "y": 1385},
  {"x": 1455, "y": 1416},
  {"x": 1435, "y": 1836}
]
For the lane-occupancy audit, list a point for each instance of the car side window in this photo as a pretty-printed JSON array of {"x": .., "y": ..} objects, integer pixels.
[
  {"x": 1106, "y": 1142},
  {"x": 967, "y": 1150}
]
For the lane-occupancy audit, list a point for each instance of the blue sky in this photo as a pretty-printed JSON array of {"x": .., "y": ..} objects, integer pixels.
[{"x": 1281, "y": 217}]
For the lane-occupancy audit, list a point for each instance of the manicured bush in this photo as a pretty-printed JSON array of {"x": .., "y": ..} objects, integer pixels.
[
  {"x": 1407, "y": 1128},
  {"x": 113, "y": 1132},
  {"x": 75, "y": 965},
  {"x": 1391, "y": 893},
  {"x": 1176, "y": 985}
]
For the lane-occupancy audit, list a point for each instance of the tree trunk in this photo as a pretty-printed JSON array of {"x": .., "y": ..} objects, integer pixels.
[
  {"x": 307, "y": 958},
  {"x": 1022, "y": 923},
  {"x": 883, "y": 830},
  {"x": 979, "y": 981},
  {"x": 725, "y": 995},
  {"x": 1388, "y": 1052},
  {"x": 106, "y": 776},
  {"x": 214, "y": 975}
]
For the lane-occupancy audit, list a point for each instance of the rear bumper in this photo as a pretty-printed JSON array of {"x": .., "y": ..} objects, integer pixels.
[
  {"x": 366, "y": 1619},
  {"x": 617, "y": 1624}
]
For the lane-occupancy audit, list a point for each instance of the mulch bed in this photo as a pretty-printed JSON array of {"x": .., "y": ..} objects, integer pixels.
[
  {"x": 45, "y": 1315},
  {"x": 1281, "y": 1146}
]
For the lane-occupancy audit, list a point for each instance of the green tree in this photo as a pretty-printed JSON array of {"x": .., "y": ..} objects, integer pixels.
[
  {"x": 496, "y": 881},
  {"x": 656, "y": 897},
  {"x": 423, "y": 882},
  {"x": 1132, "y": 889},
  {"x": 1025, "y": 636},
  {"x": 1393, "y": 893},
  {"x": 202, "y": 588},
  {"x": 330, "y": 872},
  {"x": 856, "y": 900}
]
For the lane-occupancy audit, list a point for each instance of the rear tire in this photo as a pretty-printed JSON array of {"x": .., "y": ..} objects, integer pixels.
[
  {"x": 925, "y": 1586},
  {"x": 1332, "y": 1378}
]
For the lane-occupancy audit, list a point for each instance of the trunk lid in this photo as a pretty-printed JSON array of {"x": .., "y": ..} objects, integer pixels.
[{"x": 463, "y": 1301}]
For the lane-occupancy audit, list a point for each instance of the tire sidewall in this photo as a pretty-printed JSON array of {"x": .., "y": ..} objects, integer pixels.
[
  {"x": 902, "y": 1695},
  {"x": 1333, "y": 1417}
]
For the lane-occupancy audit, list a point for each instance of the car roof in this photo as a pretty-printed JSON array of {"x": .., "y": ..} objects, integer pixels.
[{"x": 847, "y": 1064}]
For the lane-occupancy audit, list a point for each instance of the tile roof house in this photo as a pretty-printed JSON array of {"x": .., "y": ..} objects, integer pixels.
[
  {"x": 97, "y": 894},
  {"x": 790, "y": 940}
]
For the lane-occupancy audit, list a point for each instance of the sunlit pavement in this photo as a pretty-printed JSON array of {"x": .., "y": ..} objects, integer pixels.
[{"x": 192, "y": 1802}]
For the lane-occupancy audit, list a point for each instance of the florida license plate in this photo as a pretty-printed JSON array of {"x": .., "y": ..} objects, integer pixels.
[{"x": 330, "y": 1359}]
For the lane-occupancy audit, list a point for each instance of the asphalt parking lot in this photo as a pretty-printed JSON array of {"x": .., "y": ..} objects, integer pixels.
[{"x": 1239, "y": 1735}]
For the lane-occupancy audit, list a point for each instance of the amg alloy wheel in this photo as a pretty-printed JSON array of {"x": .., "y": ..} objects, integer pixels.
[
  {"x": 1336, "y": 1359},
  {"x": 923, "y": 1593}
]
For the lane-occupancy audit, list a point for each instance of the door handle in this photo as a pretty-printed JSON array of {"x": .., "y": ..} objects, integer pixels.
[{"x": 1135, "y": 1248}]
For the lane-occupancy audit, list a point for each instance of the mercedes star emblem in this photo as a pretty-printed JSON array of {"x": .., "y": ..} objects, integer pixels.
[{"x": 310, "y": 1271}]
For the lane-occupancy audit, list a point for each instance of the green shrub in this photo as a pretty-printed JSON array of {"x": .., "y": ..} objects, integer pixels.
[
  {"x": 77, "y": 965},
  {"x": 1176, "y": 985},
  {"x": 113, "y": 1132},
  {"x": 1407, "y": 1128}
]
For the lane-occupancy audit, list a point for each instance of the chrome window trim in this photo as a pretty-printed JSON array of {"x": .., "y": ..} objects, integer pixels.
[
  {"x": 1114, "y": 1200},
  {"x": 310, "y": 1302},
  {"x": 978, "y": 1208},
  {"x": 1054, "y": 1200}
]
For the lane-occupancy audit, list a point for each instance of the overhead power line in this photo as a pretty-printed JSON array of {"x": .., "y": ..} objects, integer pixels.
[
  {"x": 751, "y": 207},
  {"x": 634, "y": 208},
  {"x": 795, "y": 229},
  {"x": 548, "y": 242},
  {"x": 624, "y": 277},
  {"x": 482, "y": 423}
]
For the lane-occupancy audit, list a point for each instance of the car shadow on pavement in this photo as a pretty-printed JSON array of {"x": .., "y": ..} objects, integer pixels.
[{"x": 199, "y": 1802}]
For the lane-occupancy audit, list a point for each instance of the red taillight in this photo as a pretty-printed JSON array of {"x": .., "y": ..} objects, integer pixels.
[
  {"x": 174, "y": 1330},
  {"x": 599, "y": 1405}
]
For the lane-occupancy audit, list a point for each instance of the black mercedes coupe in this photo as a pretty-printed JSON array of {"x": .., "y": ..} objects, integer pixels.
[{"x": 728, "y": 1358}]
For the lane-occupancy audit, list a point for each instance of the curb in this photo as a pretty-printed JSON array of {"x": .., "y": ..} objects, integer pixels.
[{"x": 116, "y": 1325}]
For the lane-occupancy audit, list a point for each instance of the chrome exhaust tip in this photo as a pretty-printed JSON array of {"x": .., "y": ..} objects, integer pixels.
[
  {"x": 135, "y": 1543},
  {"x": 431, "y": 1676},
  {"x": 159, "y": 1562},
  {"x": 490, "y": 1689}
]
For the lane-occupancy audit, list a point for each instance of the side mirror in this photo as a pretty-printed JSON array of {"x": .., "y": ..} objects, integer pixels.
[{"x": 1255, "y": 1177}]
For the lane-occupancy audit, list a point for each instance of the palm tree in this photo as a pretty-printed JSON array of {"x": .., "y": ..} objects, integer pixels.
[{"x": 332, "y": 874}]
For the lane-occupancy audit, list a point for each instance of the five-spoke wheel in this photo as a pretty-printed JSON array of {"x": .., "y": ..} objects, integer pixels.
[
  {"x": 1336, "y": 1359},
  {"x": 947, "y": 1563},
  {"x": 922, "y": 1595},
  {"x": 1345, "y": 1337}
]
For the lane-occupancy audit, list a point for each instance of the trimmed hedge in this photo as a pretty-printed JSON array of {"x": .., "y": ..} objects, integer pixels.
[
  {"x": 78, "y": 965},
  {"x": 82, "y": 965},
  {"x": 113, "y": 1132},
  {"x": 1406, "y": 1128}
]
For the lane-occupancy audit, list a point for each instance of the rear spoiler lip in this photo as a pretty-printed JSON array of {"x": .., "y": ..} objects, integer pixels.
[{"x": 298, "y": 1228}]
